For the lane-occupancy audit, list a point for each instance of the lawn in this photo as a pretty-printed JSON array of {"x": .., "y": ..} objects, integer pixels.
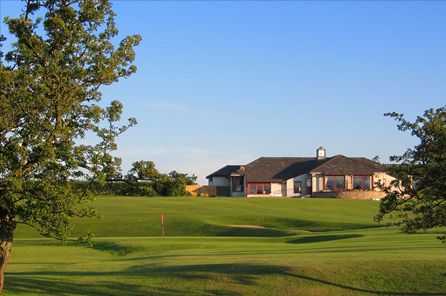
[{"x": 230, "y": 246}]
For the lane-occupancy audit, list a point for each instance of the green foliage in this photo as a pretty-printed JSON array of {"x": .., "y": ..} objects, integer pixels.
[
  {"x": 143, "y": 179},
  {"x": 143, "y": 170},
  {"x": 173, "y": 184},
  {"x": 50, "y": 88},
  {"x": 417, "y": 197}
]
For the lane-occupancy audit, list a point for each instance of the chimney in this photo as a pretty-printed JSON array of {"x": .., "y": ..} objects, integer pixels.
[{"x": 321, "y": 153}]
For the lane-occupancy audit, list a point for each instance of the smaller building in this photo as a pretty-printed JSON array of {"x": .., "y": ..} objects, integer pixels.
[
  {"x": 228, "y": 181},
  {"x": 351, "y": 177}
]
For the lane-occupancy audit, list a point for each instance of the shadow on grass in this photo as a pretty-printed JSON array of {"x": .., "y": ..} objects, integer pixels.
[
  {"x": 322, "y": 238},
  {"x": 368, "y": 291},
  {"x": 197, "y": 228},
  {"x": 244, "y": 274},
  {"x": 318, "y": 226},
  {"x": 45, "y": 286},
  {"x": 223, "y": 230},
  {"x": 115, "y": 248}
]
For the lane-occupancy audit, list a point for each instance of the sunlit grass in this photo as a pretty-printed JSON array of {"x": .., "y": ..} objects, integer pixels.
[{"x": 231, "y": 247}]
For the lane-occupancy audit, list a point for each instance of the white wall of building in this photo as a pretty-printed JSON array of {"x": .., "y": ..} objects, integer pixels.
[
  {"x": 290, "y": 185},
  {"x": 276, "y": 189},
  {"x": 384, "y": 178},
  {"x": 317, "y": 183}
]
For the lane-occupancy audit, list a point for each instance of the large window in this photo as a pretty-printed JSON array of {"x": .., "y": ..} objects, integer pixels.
[
  {"x": 335, "y": 183},
  {"x": 259, "y": 188},
  {"x": 361, "y": 182}
]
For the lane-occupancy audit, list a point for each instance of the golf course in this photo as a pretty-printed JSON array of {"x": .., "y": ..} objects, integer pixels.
[{"x": 230, "y": 246}]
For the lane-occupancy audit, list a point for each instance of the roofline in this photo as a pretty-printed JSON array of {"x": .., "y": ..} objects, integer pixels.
[
  {"x": 281, "y": 157},
  {"x": 314, "y": 171},
  {"x": 328, "y": 159},
  {"x": 284, "y": 157},
  {"x": 219, "y": 175}
]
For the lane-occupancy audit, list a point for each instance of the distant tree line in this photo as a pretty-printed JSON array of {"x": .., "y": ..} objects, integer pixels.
[{"x": 144, "y": 179}]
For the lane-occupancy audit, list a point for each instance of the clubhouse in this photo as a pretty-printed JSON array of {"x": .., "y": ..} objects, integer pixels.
[{"x": 339, "y": 175}]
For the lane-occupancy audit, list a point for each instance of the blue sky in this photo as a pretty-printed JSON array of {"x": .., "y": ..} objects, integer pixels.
[{"x": 226, "y": 82}]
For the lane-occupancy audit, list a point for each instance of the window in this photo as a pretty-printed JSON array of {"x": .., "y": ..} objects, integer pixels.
[
  {"x": 361, "y": 182},
  {"x": 335, "y": 183},
  {"x": 252, "y": 189},
  {"x": 237, "y": 184},
  {"x": 297, "y": 186},
  {"x": 259, "y": 188}
]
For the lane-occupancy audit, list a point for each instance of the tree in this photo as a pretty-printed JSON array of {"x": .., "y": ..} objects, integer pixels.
[
  {"x": 174, "y": 183},
  {"x": 417, "y": 197},
  {"x": 61, "y": 54},
  {"x": 143, "y": 170},
  {"x": 183, "y": 178},
  {"x": 145, "y": 180}
]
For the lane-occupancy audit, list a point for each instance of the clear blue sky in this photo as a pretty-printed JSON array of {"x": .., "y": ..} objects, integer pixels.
[{"x": 225, "y": 82}]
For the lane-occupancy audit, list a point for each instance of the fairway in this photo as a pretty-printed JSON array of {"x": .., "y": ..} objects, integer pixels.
[{"x": 229, "y": 246}]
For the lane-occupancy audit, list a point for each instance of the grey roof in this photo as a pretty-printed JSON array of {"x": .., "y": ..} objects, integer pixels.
[
  {"x": 226, "y": 171},
  {"x": 267, "y": 169},
  {"x": 278, "y": 169},
  {"x": 342, "y": 165}
]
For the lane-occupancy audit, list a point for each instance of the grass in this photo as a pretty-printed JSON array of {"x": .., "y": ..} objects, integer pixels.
[{"x": 230, "y": 246}]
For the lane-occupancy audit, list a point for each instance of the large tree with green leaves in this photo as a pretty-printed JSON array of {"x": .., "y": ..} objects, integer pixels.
[
  {"x": 143, "y": 170},
  {"x": 144, "y": 179},
  {"x": 417, "y": 197},
  {"x": 60, "y": 55}
]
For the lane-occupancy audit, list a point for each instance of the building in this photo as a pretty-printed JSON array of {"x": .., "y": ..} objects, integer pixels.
[{"x": 351, "y": 177}]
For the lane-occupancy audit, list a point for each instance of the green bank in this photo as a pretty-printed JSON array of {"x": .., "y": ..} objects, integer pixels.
[{"x": 227, "y": 246}]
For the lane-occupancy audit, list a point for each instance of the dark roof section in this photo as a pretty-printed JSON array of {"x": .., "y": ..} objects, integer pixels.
[
  {"x": 342, "y": 165},
  {"x": 277, "y": 169},
  {"x": 226, "y": 171}
]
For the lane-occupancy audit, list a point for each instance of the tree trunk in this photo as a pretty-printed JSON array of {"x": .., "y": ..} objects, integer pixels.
[
  {"x": 5, "y": 252},
  {"x": 7, "y": 228}
]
